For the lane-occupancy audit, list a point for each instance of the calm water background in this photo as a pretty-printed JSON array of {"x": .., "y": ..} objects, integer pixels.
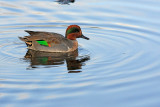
[{"x": 119, "y": 66}]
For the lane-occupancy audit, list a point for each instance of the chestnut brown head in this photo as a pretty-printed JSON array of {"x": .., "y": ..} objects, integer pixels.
[{"x": 73, "y": 32}]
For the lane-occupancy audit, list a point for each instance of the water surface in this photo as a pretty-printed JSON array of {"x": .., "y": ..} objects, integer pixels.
[{"x": 117, "y": 67}]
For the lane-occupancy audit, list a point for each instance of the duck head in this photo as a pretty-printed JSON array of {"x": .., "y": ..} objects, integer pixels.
[{"x": 73, "y": 32}]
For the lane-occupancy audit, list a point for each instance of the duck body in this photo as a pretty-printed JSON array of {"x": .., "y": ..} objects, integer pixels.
[
  {"x": 53, "y": 42},
  {"x": 49, "y": 42}
]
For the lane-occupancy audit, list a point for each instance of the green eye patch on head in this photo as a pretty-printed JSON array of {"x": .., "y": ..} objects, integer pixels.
[{"x": 72, "y": 30}]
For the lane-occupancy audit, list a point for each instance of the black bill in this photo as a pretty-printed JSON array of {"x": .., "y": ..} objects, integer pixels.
[{"x": 84, "y": 37}]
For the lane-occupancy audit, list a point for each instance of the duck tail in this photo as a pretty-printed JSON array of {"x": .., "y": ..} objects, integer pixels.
[
  {"x": 28, "y": 43},
  {"x": 31, "y": 32},
  {"x": 22, "y": 39}
]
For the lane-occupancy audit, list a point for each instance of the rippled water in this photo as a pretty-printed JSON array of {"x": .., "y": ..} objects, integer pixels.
[{"x": 118, "y": 66}]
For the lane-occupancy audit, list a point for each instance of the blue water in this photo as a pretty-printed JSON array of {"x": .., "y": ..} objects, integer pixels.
[{"x": 117, "y": 67}]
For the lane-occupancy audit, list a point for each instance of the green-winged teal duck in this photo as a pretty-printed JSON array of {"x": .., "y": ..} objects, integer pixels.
[{"x": 54, "y": 42}]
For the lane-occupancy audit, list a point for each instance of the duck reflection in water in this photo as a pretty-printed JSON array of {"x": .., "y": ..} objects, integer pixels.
[
  {"x": 73, "y": 62},
  {"x": 65, "y": 1}
]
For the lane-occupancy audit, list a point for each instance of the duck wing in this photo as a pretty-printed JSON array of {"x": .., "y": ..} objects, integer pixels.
[
  {"x": 42, "y": 37},
  {"x": 36, "y": 35}
]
